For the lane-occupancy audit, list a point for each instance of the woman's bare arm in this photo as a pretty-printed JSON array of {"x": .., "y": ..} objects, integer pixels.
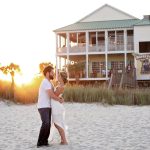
[
  {"x": 59, "y": 90},
  {"x": 54, "y": 96}
]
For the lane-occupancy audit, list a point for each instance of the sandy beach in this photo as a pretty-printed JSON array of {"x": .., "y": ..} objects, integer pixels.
[{"x": 90, "y": 127}]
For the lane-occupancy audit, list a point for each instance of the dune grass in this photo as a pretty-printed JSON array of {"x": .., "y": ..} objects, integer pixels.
[
  {"x": 91, "y": 94},
  {"x": 27, "y": 94}
]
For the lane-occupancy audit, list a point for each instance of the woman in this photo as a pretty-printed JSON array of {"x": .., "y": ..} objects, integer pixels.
[{"x": 58, "y": 110}]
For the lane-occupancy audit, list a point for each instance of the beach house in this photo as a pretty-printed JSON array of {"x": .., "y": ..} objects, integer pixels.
[{"x": 105, "y": 39}]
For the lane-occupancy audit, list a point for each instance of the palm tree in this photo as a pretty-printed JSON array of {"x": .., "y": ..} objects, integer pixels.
[
  {"x": 43, "y": 65},
  {"x": 11, "y": 69}
]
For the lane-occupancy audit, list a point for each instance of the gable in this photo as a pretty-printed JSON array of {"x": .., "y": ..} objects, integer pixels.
[{"x": 106, "y": 13}]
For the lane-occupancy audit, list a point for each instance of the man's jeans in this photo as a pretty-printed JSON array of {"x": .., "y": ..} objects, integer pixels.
[{"x": 45, "y": 114}]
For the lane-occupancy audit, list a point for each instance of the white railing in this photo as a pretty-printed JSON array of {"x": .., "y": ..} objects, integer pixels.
[
  {"x": 130, "y": 47},
  {"x": 94, "y": 48},
  {"x": 78, "y": 49},
  {"x": 62, "y": 50}
]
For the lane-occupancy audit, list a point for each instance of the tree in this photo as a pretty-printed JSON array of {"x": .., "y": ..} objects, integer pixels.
[
  {"x": 76, "y": 67},
  {"x": 43, "y": 65},
  {"x": 76, "y": 70},
  {"x": 11, "y": 69}
]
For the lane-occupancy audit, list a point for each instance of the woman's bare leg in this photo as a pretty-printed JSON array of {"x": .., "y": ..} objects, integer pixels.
[{"x": 62, "y": 134}]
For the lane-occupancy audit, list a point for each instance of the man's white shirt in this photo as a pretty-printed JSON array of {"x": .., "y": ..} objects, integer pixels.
[{"x": 44, "y": 100}]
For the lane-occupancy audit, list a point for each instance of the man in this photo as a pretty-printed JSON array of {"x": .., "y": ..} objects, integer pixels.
[{"x": 46, "y": 92}]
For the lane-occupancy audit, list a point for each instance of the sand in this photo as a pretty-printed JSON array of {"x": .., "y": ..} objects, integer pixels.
[{"x": 90, "y": 127}]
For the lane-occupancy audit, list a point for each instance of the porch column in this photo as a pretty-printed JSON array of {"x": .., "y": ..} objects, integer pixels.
[
  {"x": 65, "y": 63},
  {"x": 56, "y": 71},
  {"x": 59, "y": 41},
  {"x": 125, "y": 48},
  {"x": 67, "y": 52},
  {"x": 115, "y": 40},
  {"x": 96, "y": 42},
  {"x": 87, "y": 49},
  {"x": 77, "y": 40},
  {"x": 106, "y": 52},
  {"x": 60, "y": 63}
]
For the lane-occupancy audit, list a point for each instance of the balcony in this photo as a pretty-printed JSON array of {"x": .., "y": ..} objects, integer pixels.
[
  {"x": 94, "y": 48},
  {"x": 81, "y": 48},
  {"x": 130, "y": 47},
  {"x": 62, "y": 50},
  {"x": 114, "y": 47}
]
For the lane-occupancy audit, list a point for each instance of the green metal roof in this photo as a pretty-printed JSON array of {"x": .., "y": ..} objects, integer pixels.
[
  {"x": 143, "y": 22},
  {"x": 99, "y": 25}
]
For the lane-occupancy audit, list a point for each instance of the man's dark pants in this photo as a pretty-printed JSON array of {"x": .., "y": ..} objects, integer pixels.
[{"x": 45, "y": 114}]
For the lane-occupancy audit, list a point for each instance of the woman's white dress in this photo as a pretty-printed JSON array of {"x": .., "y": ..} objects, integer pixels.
[{"x": 58, "y": 114}]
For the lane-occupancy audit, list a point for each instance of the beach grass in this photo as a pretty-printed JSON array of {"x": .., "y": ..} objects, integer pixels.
[{"x": 28, "y": 93}]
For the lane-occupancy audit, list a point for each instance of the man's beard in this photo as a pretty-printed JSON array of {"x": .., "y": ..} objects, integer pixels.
[{"x": 51, "y": 77}]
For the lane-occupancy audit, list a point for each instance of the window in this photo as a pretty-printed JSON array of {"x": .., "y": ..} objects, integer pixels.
[
  {"x": 101, "y": 38},
  {"x": 98, "y": 69},
  {"x": 144, "y": 47},
  {"x": 130, "y": 40},
  {"x": 120, "y": 40},
  {"x": 73, "y": 39},
  {"x": 117, "y": 65},
  {"x": 92, "y": 38},
  {"x": 111, "y": 41}
]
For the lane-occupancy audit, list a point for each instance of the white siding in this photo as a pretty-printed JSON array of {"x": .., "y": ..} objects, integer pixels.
[
  {"x": 106, "y": 13},
  {"x": 141, "y": 33}
]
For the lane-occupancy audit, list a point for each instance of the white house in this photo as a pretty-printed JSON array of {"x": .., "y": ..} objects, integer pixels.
[{"x": 106, "y": 38}]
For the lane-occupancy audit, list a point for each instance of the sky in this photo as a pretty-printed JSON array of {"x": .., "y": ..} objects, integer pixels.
[{"x": 26, "y": 26}]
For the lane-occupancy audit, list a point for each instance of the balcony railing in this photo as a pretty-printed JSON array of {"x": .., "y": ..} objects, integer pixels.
[
  {"x": 62, "y": 50},
  {"x": 80, "y": 48},
  {"x": 94, "y": 48},
  {"x": 113, "y": 47},
  {"x": 130, "y": 47}
]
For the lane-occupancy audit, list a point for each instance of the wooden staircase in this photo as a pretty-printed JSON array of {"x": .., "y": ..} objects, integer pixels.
[{"x": 123, "y": 78}]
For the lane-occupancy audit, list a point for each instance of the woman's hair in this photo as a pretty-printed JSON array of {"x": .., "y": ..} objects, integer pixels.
[
  {"x": 47, "y": 69},
  {"x": 63, "y": 76}
]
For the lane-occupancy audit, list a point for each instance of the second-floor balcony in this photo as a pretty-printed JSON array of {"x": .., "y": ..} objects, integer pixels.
[
  {"x": 95, "y": 42},
  {"x": 94, "y": 48}
]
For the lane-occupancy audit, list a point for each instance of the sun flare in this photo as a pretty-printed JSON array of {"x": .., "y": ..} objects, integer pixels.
[
  {"x": 5, "y": 77},
  {"x": 22, "y": 79}
]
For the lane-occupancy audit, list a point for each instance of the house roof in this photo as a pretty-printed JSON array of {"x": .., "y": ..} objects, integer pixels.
[
  {"x": 100, "y": 19},
  {"x": 112, "y": 24},
  {"x": 102, "y": 14},
  {"x": 143, "y": 22}
]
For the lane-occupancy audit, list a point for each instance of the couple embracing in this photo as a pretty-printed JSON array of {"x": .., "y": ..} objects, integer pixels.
[{"x": 50, "y": 106}]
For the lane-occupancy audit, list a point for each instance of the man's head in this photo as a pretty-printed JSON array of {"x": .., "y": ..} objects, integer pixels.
[{"x": 49, "y": 72}]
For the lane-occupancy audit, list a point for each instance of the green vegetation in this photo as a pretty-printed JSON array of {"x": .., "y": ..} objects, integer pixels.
[
  {"x": 91, "y": 94},
  {"x": 28, "y": 93},
  {"x": 76, "y": 93}
]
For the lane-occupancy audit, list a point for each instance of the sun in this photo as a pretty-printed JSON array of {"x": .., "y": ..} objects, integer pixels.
[
  {"x": 24, "y": 76},
  {"x": 5, "y": 77},
  {"x": 21, "y": 79}
]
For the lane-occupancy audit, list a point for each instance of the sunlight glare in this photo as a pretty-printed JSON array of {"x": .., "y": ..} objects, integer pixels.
[
  {"x": 26, "y": 75},
  {"x": 5, "y": 77},
  {"x": 21, "y": 79}
]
